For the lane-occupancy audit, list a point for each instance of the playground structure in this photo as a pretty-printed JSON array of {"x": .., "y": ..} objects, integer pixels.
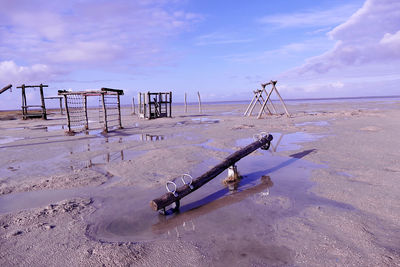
[
  {"x": 33, "y": 113},
  {"x": 189, "y": 185},
  {"x": 76, "y": 107},
  {"x": 155, "y": 105},
  {"x": 258, "y": 98}
]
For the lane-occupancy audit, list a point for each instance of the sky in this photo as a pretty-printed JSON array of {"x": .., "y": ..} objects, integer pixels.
[{"x": 223, "y": 49}]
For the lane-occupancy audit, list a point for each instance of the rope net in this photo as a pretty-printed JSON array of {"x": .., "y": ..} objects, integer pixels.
[
  {"x": 112, "y": 111},
  {"x": 77, "y": 111}
]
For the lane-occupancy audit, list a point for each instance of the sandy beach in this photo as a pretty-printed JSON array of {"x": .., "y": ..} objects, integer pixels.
[{"x": 325, "y": 193}]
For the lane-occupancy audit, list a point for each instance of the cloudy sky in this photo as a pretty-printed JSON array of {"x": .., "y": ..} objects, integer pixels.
[{"x": 224, "y": 49}]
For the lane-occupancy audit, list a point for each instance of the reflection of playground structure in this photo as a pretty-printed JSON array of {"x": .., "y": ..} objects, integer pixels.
[
  {"x": 184, "y": 221},
  {"x": 98, "y": 160},
  {"x": 151, "y": 137},
  {"x": 116, "y": 156},
  {"x": 273, "y": 148}
]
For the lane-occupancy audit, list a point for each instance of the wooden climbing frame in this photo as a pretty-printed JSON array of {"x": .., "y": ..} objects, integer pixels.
[
  {"x": 42, "y": 107},
  {"x": 77, "y": 108},
  {"x": 155, "y": 105}
]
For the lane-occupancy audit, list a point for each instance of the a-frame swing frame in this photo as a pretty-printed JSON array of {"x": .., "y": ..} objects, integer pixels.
[{"x": 258, "y": 98}]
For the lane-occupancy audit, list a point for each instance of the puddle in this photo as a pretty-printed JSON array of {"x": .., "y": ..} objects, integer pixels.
[
  {"x": 8, "y": 139},
  {"x": 313, "y": 123},
  {"x": 273, "y": 187},
  {"x": 104, "y": 158},
  {"x": 206, "y": 120},
  {"x": 284, "y": 142},
  {"x": 207, "y": 146},
  {"x": 56, "y": 128}
]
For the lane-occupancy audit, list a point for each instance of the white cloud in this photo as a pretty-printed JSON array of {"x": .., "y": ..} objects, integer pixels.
[
  {"x": 99, "y": 34},
  {"x": 310, "y": 18},
  {"x": 365, "y": 58},
  {"x": 10, "y": 72},
  {"x": 371, "y": 35}
]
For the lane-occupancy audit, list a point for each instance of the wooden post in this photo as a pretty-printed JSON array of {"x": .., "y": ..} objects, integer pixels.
[
  {"x": 133, "y": 106},
  {"x": 265, "y": 102},
  {"x": 24, "y": 107},
  {"x": 105, "y": 127},
  {"x": 170, "y": 104},
  {"x": 44, "y": 115},
  {"x": 262, "y": 98},
  {"x": 185, "y": 103},
  {"x": 68, "y": 117},
  {"x": 5, "y": 88},
  {"x": 283, "y": 103},
  {"x": 272, "y": 105},
  {"x": 169, "y": 198},
  {"x": 86, "y": 113},
  {"x": 148, "y": 104},
  {"x": 61, "y": 107},
  {"x": 251, "y": 103},
  {"x": 258, "y": 94},
  {"x": 119, "y": 111},
  {"x": 198, "y": 95}
]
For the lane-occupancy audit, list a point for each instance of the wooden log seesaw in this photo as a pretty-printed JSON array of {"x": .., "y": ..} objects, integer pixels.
[{"x": 176, "y": 194}]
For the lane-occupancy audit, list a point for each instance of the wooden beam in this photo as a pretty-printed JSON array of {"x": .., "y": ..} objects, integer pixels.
[
  {"x": 119, "y": 91},
  {"x": 185, "y": 103},
  {"x": 5, "y": 88},
  {"x": 279, "y": 95},
  {"x": 251, "y": 103},
  {"x": 119, "y": 111},
  {"x": 68, "y": 116},
  {"x": 198, "y": 95},
  {"x": 170, "y": 104},
  {"x": 105, "y": 127},
  {"x": 169, "y": 198},
  {"x": 266, "y": 100},
  {"x": 44, "y": 114},
  {"x": 32, "y": 86}
]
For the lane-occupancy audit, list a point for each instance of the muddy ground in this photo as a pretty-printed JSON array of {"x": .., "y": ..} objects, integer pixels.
[{"x": 327, "y": 191}]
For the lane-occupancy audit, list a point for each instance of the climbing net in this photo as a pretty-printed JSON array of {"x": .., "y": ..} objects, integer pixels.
[
  {"x": 77, "y": 108},
  {"x": 76, "y": 105},
  {"x": 111, "y": 105}
]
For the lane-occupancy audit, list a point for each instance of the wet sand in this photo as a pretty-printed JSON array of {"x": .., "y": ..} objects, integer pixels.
[{"x": 325, "y": 193}]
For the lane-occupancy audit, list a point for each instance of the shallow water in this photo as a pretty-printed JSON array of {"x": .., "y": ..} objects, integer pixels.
[
  {"x": 213, "y": 217},
  {"x": 313, "y": 123},
  {"x": 285, "y": 142},
  {"x": 234, "y": 226},
  {"x": 8, "y": 139}
]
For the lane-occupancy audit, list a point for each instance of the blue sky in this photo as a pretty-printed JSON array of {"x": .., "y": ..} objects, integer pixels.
[{"x": 224, "y": 49}]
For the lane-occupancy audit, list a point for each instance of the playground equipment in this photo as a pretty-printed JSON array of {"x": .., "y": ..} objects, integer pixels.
[
  {"x": 77, "y": 108},
  {"x": 175, "y": 194},
  {"x": 33, "y": 112},
  {"x": 258, "y": 98},
  {"x": 155, "y": 105}
]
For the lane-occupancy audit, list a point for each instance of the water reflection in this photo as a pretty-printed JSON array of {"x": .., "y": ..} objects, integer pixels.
[{"x": 210, "y": 203}]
